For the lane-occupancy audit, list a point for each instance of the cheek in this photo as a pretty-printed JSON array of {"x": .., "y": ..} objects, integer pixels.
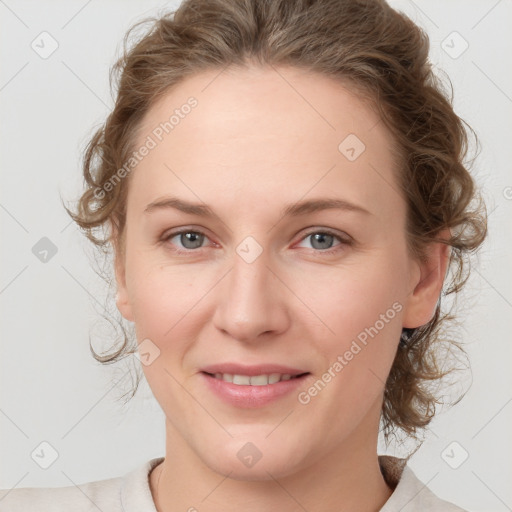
[
  {"x": 159, "y": 294},
  {"x": 163, "y": 299},
  {"x": 170, "y": 308},
  {"x": 350, "y": 382},
  {"x": 362, "y": 308},
  {"x": 351, "y": 299}
]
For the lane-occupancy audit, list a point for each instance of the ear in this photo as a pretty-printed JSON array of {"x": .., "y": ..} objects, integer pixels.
[
  {"x": 122, "y": 298},
  {"x": 426, "y": 283}
]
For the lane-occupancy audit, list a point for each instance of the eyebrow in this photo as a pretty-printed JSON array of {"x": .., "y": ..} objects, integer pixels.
[{"x": 292, "y": 210}]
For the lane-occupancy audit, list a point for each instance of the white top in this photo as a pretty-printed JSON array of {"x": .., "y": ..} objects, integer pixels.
[{"x": 131, "y": 493}]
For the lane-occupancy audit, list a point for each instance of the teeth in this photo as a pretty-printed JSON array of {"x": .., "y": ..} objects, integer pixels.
[
  {"x": 241, "y": 379},
  {"x": 256, "y": 380},
  {"x": 259, "y": 380},
  {"x": 273, "y": 378}
]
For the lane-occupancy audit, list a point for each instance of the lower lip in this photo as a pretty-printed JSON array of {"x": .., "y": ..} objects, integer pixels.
[{"x": 251, "y": 396}]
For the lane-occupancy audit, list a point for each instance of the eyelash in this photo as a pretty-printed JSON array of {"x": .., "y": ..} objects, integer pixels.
[{"x": 327, "y": 252}]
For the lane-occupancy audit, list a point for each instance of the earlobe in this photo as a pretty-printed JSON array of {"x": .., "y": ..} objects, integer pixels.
[{"x": 427, "y": 284}]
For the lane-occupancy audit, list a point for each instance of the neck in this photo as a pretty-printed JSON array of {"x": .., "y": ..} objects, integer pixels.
[{"x": 349, "y": 478}]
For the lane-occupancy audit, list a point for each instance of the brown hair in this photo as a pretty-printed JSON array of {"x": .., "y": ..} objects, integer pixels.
[{"x": 383, "y": 55}]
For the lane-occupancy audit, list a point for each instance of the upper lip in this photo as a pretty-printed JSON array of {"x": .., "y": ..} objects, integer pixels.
[{"x": 252, "y": 370}]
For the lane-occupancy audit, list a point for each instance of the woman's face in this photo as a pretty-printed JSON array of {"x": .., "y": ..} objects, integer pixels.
[{"x": 255, "y": 290}]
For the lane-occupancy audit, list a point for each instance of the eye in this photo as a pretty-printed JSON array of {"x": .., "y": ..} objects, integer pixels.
[
  {"x": 192, "y": 240},
  {"x": 188, "y": 238},
  {"x": 322, "y": 240}
]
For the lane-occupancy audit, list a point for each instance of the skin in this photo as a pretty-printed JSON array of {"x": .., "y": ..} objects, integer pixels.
[{"x": 254, "y": 144}]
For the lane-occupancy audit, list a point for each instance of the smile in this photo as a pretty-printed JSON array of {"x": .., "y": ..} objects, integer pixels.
[
  {"x": 254, "y": 380},
  {"x": 252, "y": 391}
]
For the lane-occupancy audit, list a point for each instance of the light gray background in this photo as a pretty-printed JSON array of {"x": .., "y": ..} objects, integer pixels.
[{"x": 51, "y": 388}]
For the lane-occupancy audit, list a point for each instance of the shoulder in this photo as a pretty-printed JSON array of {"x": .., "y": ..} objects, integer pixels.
[
  {"x": 411, "y": 495},
  {"x": 102, "y": 494},
  {"x": 110, "y": 495}
]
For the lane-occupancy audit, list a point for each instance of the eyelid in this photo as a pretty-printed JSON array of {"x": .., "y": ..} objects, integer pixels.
[{"x": 345, "y": 237}]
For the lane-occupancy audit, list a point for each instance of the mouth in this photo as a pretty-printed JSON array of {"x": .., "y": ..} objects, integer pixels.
[
  {"x": 263, "y": 379},
  {"x": 253, "y": 387}
]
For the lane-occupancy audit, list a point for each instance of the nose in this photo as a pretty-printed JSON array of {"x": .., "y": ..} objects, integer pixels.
[{"x": 252, "y": 301}]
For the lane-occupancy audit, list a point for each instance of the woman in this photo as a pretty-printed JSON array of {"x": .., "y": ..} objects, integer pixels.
[{"x": 282, "y": 185}]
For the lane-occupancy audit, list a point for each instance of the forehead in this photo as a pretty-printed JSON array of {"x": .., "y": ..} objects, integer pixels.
[{"x": 264, "y": 133}]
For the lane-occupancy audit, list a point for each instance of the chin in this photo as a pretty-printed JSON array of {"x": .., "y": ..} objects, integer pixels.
[{"x": 257, "y": 460}]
